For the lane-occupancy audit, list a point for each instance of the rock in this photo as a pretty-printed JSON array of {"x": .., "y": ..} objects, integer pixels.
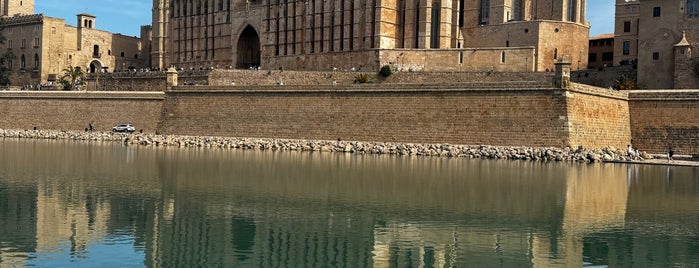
[{"x": 607, "y": 157}]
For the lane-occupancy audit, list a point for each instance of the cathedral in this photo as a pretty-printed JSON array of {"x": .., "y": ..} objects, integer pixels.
[{"x": 411, "y": 35}]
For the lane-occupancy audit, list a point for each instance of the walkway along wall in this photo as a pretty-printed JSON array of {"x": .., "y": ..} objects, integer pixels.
[
  {"x": 505, "y": 114},
  {"x": 74, "y": 110},
  {"x": 665, "y": 118}
]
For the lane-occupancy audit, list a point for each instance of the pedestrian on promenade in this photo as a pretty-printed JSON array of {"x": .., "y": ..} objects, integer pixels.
[
  {"x": 669, "y": 155},
  {"x": 629, "y": 151}
]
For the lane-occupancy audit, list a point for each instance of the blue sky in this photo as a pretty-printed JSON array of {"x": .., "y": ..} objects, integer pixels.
[{"x": 127, "y": 16}]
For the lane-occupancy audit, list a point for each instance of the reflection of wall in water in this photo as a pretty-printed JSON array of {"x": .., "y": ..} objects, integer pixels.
[{"x": 17, "y": 224}]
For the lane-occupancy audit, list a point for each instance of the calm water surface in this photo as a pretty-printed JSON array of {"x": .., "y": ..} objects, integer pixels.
[{"x": 88, "y": 204}]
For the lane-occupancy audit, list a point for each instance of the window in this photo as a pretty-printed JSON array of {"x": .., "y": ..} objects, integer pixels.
[
  {"x": 37, "y": 42},
  {"x": 122, "y": 54},
  {"x": 36, "y": 61},
  {"x": 461, "y": 13},
  {"x": 484, "y": 14},
  {"x": 626, "y": 47},
  {"x": 502, "y": 57},
  {"x": 693, "y": 8},
  {"x": 516, "y": 10},
  {"x": 656, "y": 12},
  {"x": 572, "y": 4},
  {"x": 24, "y": 43},
  {"x": 22, "y": 62},
  {"x": 656, "y": 55},
  {"x": 434, "y": 31},
  {"x": 592, "y": 57},
  {"x": 627, "y": 26},
  {"x": 608, "y": 56}
]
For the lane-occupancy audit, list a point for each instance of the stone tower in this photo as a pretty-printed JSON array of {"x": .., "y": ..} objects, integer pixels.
[
  {"x": 161, "y": 15},
  {"x": 16, "y": 7}
]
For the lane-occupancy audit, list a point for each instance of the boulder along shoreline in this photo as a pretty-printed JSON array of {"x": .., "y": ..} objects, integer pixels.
[{"x": 544, "y": 154}]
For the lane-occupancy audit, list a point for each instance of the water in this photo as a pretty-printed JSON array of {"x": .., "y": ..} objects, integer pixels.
[{"x": 89, "y": 204}]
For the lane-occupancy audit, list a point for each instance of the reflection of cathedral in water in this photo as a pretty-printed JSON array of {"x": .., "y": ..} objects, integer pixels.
[{"x": 283, "y": 227}]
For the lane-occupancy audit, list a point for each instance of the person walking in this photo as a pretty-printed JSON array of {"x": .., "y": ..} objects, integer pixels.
[{"x": 669, "y": 155}]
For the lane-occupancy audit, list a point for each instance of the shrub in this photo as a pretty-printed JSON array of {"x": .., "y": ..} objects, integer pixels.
[
  {"x": 385, "y": 71},
  {"x": 361, "y": 78},
  {"x": 624, "y": 83}
]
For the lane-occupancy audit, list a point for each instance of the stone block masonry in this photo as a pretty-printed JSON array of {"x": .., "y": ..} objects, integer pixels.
[
  {"x": 486, "y": 113},
  {"x": 665, "y": 118},
  {"x": 70, "y": 110}
]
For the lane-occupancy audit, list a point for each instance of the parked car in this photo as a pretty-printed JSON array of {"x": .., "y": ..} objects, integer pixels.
[{"x": 124, "y": 128}]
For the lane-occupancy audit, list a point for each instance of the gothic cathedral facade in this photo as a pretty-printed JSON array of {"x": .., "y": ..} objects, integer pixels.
[{"x": 420, "y": 35}]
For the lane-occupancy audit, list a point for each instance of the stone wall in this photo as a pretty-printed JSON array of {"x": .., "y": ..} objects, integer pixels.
[
  {"x": 665, "y": 118},
  {"x": 504, "y": 113},
  {"x": 459, "y": 114},
  {"x": 501, "y": 59},
  {"x": 598, "y": 117},
  {"x": 141, "y": 81},
  {"x": 68, "y": 110},
  {"x": 223, "y": 77},
  {"x": 604, "y": 77}
]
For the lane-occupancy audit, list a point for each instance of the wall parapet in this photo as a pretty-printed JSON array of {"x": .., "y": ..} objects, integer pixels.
[
  {"x": 142, "y": 95},
  {"x": 600, "y": 92}
]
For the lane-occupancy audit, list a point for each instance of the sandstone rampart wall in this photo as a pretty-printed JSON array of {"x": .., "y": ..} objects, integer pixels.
[
  {"x": 665, "y": 118},
  {"x": 72, "y": 110}
]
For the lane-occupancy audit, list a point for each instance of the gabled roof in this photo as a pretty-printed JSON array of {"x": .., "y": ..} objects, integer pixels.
[{"x": 683, "y": 42}]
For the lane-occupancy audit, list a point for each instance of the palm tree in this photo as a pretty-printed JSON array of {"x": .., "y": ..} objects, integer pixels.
[{"x": 73, "y": 78}]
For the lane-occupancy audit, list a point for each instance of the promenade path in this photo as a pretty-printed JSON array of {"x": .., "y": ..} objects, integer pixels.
[{"x": 662, "y": 160}]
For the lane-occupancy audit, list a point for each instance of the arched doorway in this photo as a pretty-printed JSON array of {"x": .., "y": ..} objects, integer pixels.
[
  {"x": 95, "y": 66},
  {"x": 248, "y": 49}
]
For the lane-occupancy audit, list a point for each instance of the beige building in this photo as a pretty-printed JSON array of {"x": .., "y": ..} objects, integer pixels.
[
  {"x": 626, "y": 27},
  {"x": 44, "y": 46},
  {"x": 438, "y": 35},
  {"x": 668, "y": 31}
]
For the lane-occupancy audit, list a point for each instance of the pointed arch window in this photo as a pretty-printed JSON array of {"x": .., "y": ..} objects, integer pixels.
[
  {"x": 22, "y": 62},
  {"x": 36, "y": 61}
]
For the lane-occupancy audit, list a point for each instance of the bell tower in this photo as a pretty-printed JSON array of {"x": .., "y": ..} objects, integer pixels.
[{"x": 9, "y": 8}]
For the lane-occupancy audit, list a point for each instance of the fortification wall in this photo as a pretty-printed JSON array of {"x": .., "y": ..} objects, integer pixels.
[
  {"x": 531, "y": 117},
  {"x": 473, "y": 113},
  {"x": 598, "y": 117},
  {"x": 140, "y": 81},
  {"x": 603, "y": 77},
  {"x": 224, "y": 77},
  {"x": 501, "y": 59},
  {"x": 665, "y": 118},
  {"x": 72, "y": 110}
]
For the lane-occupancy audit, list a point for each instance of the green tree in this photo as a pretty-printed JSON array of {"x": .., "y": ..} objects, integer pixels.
[
  {"x": 73, "y": 78},
  {"x": 5, "y": 59}
]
